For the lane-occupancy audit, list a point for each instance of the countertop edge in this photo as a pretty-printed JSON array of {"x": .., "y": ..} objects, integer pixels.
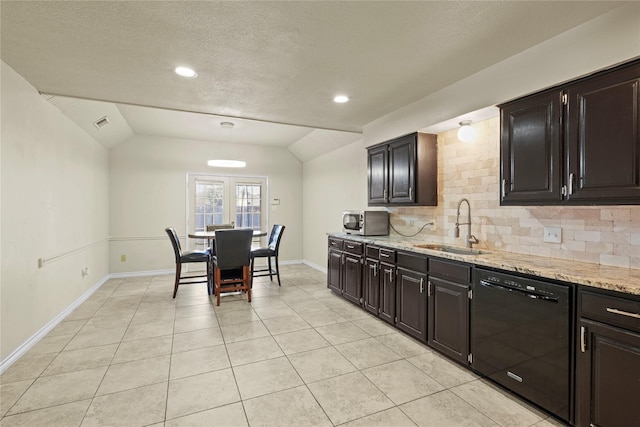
[{"x": 625, "y": 280}]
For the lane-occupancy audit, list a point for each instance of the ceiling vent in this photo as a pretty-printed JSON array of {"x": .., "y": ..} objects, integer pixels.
[{"x": 100, "y": 123}]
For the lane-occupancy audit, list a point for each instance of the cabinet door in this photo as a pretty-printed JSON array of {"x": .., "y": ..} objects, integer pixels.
[
  {"x": 402, "y": 159},
  {"x": 372, "y": 286},
  {"x": 411, "y": 307},
  {"x": 449, "y": 318},
  {"x": 377, "y": 164},
  {"x": 334, "y": 271},
  {"x": 352, "y": 278},
  {"x": 603, "y": 138},
  {"x": 608, "y": 376},
  {"x": 530, "y": 149},
  {"x": 388, "y": 293}
]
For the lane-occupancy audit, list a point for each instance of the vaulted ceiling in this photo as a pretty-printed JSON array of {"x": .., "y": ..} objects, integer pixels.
[{"x": 267, "y": 63}]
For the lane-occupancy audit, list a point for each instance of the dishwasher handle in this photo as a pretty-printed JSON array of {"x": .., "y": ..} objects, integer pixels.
[{"x": 517, "y": 291}]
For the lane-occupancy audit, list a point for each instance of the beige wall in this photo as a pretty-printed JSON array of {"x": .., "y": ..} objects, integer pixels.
[
  {"x": 147, "y": 192},
  {"x": 54, "y": 202},
  {"x": 334, "y": 182},
  {"x": 602, "y": 235}
]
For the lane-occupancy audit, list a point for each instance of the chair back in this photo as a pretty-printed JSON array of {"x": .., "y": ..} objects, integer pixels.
[
  {"x": 275, "y": 236},
  {"x": 214, "y": 227},
  {"x": 175, "y": 242},
  {"x": 233, "y": 248}
]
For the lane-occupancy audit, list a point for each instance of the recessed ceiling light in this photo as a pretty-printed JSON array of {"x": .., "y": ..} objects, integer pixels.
[
  {"x": 341, "y": 99},
  {"x": 186, "y": 72},
  {"x": 226, "y": 125},
  {"x": 220, "y": 163}
]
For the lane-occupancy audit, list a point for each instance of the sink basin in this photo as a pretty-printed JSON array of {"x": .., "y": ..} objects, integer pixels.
[{"x": 452, "y": 249}]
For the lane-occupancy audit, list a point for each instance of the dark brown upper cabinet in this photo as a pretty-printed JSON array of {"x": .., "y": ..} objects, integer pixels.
[
  {"x": 578, "y": 143},
  {"x": 404, "y": 171}
]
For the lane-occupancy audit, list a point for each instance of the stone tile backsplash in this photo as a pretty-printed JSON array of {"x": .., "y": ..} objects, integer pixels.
[{"x": 608, "y": 235}]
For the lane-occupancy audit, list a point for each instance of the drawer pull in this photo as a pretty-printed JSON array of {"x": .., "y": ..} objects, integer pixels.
[
  {"x": 384, "y": 255},
  {"x": 623, "y": 313},
  {"x": 350, "y": 246}
]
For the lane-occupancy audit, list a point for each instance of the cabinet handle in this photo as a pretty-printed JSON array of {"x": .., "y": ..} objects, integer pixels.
[
  {"x": 429, "y": 288},
  {"x": 350, "y": 246},
  {"x": 342, "y": 259},
  {"x": 571, "y": 175},
  {"x": 384, "y": 255},
  {"x": 375, "y": 269},
  {"x": 410, "y": 193},
  {"x": 421, "y": 285},
  {"x": 390, "y": 276},
  {"x": 623, "y": 313},
  {"x": 384, "y": 194},
  {"x": 504, "y": 187},
  {"x": 583, "y": 339}
]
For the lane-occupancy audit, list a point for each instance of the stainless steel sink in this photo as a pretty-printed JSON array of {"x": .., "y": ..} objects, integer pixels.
[{"x": 451, "y": 249}]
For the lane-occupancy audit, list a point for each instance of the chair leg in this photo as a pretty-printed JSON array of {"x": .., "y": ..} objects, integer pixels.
[
  {"x": 216, "y": 284},
  {"x": 175, "y": 287},
  {"x": 277, "y": 270},
  {"x": 253, "y": 260},
  {"x": 209, "y": 277},
  {"x": 247, "y": 281},
  {"x": 270, "y": 271}
]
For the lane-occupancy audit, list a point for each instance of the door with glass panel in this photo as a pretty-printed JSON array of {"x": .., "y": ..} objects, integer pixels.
[{"x": 225, "y": 200}]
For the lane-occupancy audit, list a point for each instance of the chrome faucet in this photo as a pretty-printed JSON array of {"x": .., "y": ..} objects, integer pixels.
[{"x": 471, "y": 239}]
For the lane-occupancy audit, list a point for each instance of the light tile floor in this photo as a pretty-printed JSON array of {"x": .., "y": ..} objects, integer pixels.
[{"x": 298, "y": 355}]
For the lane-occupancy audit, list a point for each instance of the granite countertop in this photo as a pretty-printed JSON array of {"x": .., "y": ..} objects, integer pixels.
[{"x": 619, "y": 279}]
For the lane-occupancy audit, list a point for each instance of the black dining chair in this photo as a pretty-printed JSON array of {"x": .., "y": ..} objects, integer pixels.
[
  {"x": 231, "y": 262},
  {"x": 214, "y": 227},
  {"x": 184, "y": 257},
  {"x": 271, "y": 251}
]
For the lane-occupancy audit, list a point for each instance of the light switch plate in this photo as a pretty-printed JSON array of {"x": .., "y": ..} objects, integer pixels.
[{"x": 553, "y": 234}]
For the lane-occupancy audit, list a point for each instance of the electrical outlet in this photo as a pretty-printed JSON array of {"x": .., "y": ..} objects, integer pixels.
[
  {"x": 553, "y": 234},
  {"x": 123, "y": 258}
]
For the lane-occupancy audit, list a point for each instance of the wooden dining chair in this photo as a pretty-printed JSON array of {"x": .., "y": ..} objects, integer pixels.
[
  {"x": 184, "y": 257},
  {"x": 231, "y": 262}
]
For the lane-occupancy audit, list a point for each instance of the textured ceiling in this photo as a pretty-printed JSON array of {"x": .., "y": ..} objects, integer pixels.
[{"x": 278, "y": 62}]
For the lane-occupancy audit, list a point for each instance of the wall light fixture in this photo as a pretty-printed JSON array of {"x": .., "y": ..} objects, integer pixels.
[{"x": 466, "y": 133}]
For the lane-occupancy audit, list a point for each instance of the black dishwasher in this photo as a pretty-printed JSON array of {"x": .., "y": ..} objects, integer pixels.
[{"x": 521, "y": 335}]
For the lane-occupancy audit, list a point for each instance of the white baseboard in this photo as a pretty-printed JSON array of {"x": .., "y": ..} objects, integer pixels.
[
  {"x": 322, "y": 268},
  {"x": 33, "y": 340},
  {"x": 141, "y": 273}
]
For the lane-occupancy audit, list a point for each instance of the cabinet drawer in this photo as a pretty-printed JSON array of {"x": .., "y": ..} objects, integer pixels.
[
  {"x": 611, "y": 310},
  {"x": 353, "y": 247},
  {"x": 372, "y": 252},
  {"x": 412, "y": 261},
  {"x": 387, "y": 255},
  {"x": 448, "y": 270},
  {"x": 335, "y": 243}
]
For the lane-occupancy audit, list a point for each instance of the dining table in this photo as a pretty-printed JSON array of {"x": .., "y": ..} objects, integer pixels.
[{"x": 211, "y": 235}]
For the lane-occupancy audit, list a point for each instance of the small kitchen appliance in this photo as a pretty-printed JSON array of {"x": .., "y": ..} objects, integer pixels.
[{"x": 366, "y": 222}]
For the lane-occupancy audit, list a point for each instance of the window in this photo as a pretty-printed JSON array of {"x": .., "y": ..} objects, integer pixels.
[
  {"x": 249, "y": 206},
  {"x": 208, "y": 204},
  {"x": 224, "y": 200}
]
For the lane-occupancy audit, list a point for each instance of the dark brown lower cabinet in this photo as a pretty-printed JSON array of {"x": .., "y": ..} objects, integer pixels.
[
  {"x": 449, "y": 318},
  {"x": 608, "y": 376},
  {"x": 411, "y": 307},
  {"x": 352, "y": 278},
  {"x": 388, "y": 292},
  {"x": 371, "y": 285},
  {"x": 334, "y": 270}
]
